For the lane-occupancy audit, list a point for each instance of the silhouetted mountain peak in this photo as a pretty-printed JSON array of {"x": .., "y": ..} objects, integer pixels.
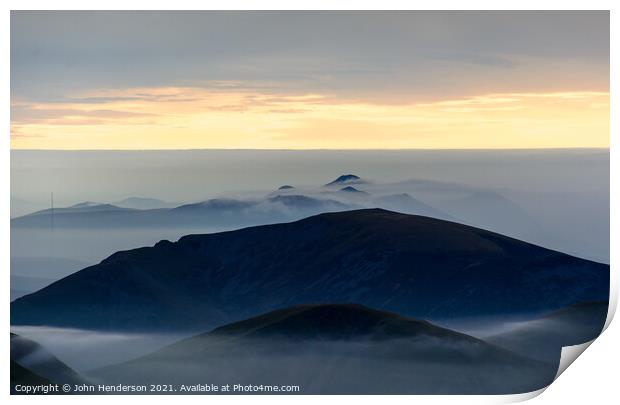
[
  {"x": 346, "y": 179},
  {"x": 350, "y": 189},
  {"x": 414, "y": 265},
  {"x": 285, "y": 187}
]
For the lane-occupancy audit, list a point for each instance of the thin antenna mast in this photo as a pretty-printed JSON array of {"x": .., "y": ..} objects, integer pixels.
[{"x": 52, "y": 209}]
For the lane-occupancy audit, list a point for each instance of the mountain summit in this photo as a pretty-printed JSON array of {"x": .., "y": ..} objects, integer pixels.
[
  {"x": 345, "y": 179},
  {"x": 332, "y": 322},
  {"x": 351, "y": 189}
]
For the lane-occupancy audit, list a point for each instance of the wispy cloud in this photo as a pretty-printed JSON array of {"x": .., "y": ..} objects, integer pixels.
[{"x": 60, "y": 114}]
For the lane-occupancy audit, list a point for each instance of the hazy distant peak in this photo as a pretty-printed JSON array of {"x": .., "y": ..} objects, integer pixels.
[
  {"x": 86, "y": 204},
  {"x": 138, "y": 199},
  {"x": 218, "y": 203},
  {"x": 285, "y": 187},
  {"x": 350, "y": 189},
  {"x": 346, "y": 179},
  {"x": 95, "y": 206},
  {"x": 144, "y": 203}
]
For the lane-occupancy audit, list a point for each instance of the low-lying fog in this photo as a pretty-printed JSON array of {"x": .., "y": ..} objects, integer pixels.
[
  {"x": 516, "y": 356},
  {"x": 421, "y": 365},
  {"x": 539, "y": 339},
  {"x": 85, "y": 350}
]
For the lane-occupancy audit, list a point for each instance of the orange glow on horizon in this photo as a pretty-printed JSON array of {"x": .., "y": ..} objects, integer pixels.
[{"x": 193, "y": 118}]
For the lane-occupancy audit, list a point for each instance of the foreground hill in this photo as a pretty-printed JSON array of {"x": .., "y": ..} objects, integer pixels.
[
  {"x": 413, "y": 265},
  {"x": 544, "y": 337},
  {"x": 332, "y": 322},
  {"x": 337, "y": 349},
  {"x": 38, "y": 361},
  {"x": 21, "y": 376}
]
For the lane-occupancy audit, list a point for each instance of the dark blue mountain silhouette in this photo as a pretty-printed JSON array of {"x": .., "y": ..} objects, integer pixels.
[{"x": 413, "y": 265}]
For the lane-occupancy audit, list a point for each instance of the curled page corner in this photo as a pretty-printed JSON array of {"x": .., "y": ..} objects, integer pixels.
[
  {"x": 611, "y": 309},
  {"x": 526, "y": 396},
  {"x": 569, "y": 355}
]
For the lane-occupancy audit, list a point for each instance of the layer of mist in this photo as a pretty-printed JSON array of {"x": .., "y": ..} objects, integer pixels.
[
  {"x": 522, "y": 357},
  {"x": 421, "y": 366},
  {"x": 84, "y": 350}
]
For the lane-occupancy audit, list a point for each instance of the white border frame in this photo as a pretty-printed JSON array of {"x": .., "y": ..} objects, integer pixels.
[{"x": 593, "y": 379}]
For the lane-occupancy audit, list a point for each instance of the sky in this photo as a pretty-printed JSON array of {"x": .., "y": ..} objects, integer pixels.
[{"x": 309, "y": 80}]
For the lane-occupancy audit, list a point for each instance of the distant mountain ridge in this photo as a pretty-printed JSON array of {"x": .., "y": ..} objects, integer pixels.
[
  {"x": 143, "y": 203},
  {"x": 80, "y": 208},
  {"x": 482, "y": 208},
  {"x": 214, "y": 212},
  {"x": 413, "y": 265}
]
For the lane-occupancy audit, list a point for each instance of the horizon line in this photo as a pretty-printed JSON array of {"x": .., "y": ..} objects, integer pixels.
[{"x": 315, "y": 149}]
